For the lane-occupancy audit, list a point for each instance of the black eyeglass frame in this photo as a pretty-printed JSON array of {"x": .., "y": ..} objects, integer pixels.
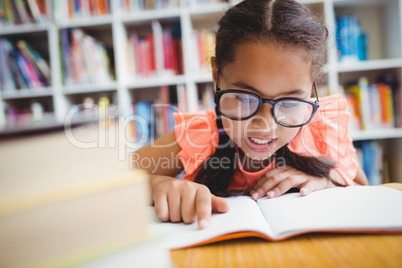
[{"x": 219, "y": 93}]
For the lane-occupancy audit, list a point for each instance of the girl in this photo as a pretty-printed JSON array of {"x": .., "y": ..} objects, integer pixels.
[{"x": 266, "y": 136}]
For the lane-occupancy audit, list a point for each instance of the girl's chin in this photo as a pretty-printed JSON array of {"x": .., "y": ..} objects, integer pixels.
[{"x": 257, "y": 155}]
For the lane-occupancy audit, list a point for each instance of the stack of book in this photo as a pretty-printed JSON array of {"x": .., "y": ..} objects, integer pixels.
[
  {"x": 67, "y": 10},
  {"x": 374, "y": 106},
  {"x": 351, "y": 40},
  {"x": 158, "y": 53},
  {"x": 85, "y": 59},
  {"x": 22, "y": 67},
  {"x": 77, "y": 205},
  {"x": 14, "y": 12}
]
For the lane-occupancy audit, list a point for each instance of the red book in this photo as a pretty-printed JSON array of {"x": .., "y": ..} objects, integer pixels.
[
  {"x": 138, "y": 54},
  {"x": 42, "y": 6},
  {"x": 151, "y": 54}
]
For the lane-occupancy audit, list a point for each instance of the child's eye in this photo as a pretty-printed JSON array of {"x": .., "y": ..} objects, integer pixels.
[
  {"x": 246, "y": 99},
  {"x": 285, "y": 105}
]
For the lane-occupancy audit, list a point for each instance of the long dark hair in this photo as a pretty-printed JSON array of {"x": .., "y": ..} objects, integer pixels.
[{"x": 285, "y": 23}]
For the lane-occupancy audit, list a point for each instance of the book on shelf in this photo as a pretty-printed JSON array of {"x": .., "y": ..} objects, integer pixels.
[
  {"x": 371, "y": 154},
  {"x": 69, "y": 10},
  {"x": 21, "y": 67},
  {"x": 156, "y": 53},
  {"x": 373, "y": 106},
  {"x": 351, "y": 40},
  {"x": 140, "y": 5},
  {"x": 203, "y": 41},
  {"x": 23, "y": 11},
  {"x": 72, "y": 205},
  {"x": 352, "y": 209},
  {"x": 85, "y": 59},
  {"x": 154, "y": 118}
]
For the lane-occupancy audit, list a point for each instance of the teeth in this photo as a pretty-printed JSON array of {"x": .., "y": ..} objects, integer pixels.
[{"x": 258, "y": 141}]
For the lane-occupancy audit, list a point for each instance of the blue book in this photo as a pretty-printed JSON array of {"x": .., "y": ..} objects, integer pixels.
[
  {"x": 7, "y": 82},
  {"x": 342, "y": 36},
  {"x": 144, "y": 122},
  {"x": 21, "y": 63},
  {"x": 66, "y": 57}
]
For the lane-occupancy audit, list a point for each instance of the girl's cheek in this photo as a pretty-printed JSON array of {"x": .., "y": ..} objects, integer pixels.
[{"x": 233, "y": 129}]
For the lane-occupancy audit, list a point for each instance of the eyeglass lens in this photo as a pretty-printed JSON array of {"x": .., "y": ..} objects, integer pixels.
[{"x": 288, "y": 112}]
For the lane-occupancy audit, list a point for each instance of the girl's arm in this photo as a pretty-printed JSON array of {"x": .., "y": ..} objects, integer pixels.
[{"x": 175, "y": 199}]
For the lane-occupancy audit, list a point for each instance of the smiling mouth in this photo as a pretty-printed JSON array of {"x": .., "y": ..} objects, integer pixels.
[
  {"x": 261, "y": 144},
  {"x": 258, "y": 141}
]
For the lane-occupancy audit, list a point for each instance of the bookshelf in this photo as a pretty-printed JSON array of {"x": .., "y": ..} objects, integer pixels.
[{"x": 113, "y": 26}]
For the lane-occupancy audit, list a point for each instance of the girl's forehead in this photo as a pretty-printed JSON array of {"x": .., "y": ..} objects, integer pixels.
[{"x": 267, "y": 66}]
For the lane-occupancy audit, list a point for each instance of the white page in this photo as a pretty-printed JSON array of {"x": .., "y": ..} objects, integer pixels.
[
  {"x": 340, "y": 208},
  {"x": 244, "y": 215}
]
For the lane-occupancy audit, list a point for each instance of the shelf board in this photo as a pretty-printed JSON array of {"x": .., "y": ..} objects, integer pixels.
[
  {"x": 149, "y": 15},
  {"x": 203, "y": 78},
  {"x": 377, "y": 134},
  {"x": 156, "y": 82},
  {"x": 87, "y": 22},
  {"x": 23, "y": 28},
  {"x": 368, "y": 65},
  {"x": 40, "y": 127},
  {"x": 27, "y": 93},
  {"x": 89, "y": 88}
]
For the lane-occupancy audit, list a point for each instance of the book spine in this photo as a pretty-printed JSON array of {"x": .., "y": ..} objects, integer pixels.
[
  {"x": 35, "y": 11},
  {"x": 160, "y": 53},
  {"x": 66, "y": 55},
  {"x": 7, "y": 81},
  {"x": 9, "y": 14},
  {"x": 365, "y": 110}
]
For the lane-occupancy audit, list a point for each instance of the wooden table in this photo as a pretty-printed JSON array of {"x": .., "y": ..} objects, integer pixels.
[{"x": 311, "y": 250}]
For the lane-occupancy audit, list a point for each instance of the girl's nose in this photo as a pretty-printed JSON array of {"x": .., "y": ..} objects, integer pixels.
[{"x": 264, "y": 118}]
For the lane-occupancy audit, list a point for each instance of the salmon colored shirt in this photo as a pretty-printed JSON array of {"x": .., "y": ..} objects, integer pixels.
[{"x": 325, "y": 135}]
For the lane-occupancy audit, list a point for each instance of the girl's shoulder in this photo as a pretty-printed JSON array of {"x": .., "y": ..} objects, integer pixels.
[
  {"x": 196, "y": 132},
  {"x": 328, "y": 127},
  {"x": 197, "y": 135},
  {"x": 327, "y": 135}
]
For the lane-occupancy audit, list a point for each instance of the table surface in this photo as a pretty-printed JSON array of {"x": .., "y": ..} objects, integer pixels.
[{"x": 312, "y": 250}]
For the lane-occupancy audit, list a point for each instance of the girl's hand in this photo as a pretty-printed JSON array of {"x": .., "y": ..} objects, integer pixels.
[
  {"x": 279, "y": 180},
  {"x": 179, "y": 200}
]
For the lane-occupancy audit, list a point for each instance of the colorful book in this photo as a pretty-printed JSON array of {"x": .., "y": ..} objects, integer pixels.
[
  {"x": 22, "y": 12},
  {"x": 34, "y": 57}
]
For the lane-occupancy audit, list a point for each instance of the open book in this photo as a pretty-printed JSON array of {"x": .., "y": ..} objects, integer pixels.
[{"x": 357, "y": 209}]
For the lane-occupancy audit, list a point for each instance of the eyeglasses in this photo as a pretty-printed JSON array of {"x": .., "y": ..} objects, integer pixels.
[{"x": 242, "y": 105}]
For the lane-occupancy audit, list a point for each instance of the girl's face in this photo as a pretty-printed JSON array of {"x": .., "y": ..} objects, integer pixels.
[{"x": 271, "y": 72}]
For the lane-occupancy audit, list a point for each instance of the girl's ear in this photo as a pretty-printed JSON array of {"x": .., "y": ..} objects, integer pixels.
[{"x": 214, "y": 70}]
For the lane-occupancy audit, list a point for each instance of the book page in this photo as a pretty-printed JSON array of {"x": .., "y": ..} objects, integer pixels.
[
  {"x": 244, "y": 215},
  {"x": 342, "y": 208}
]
